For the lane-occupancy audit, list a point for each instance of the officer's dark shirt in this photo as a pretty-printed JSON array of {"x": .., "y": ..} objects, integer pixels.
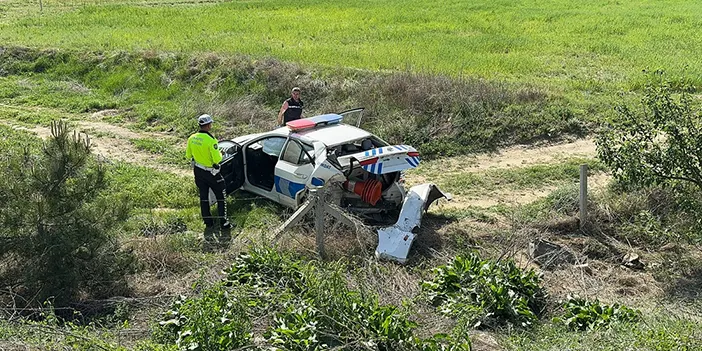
[{"x": 294, "y": 110}]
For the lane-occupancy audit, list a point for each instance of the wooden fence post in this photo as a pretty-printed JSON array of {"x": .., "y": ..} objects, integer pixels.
[
  {"x": 319, "y": 220},
  {"x": 583, "y": 196},
  {"x": 317, "y": 200}
]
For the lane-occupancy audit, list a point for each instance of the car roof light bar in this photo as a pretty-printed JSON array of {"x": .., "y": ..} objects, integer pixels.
[{"x": 313, "y": 122}]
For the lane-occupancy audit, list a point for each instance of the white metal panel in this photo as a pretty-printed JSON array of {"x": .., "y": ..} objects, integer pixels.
[{"x": 394, "y": 242}]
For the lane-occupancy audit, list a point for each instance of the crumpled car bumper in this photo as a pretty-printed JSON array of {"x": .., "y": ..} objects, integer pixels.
[{"x": 394, "y": 242}]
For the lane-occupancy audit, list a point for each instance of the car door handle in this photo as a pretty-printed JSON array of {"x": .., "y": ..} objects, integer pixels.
[{"x": 300, "y": 175}]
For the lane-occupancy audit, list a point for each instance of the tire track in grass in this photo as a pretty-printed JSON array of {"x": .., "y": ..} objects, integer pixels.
[{"x": 108, "y": 140}]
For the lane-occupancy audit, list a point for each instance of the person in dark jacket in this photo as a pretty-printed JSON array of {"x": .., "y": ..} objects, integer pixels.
[{"x": 291, "y": 109}]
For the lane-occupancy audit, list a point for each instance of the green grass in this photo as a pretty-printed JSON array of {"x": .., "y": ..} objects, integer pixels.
[
  {"x": 660, "y": 331},
  {"x": 67, "y": 95},
  {"x": 168, "y": 153},
  {"x": 583, "y": 46},
  {"x": 146, "y": 188},
  {"x": 164, "y": 92}
]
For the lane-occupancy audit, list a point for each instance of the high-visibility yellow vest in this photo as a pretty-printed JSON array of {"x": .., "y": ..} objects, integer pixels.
[{"x": 202, "y": 147}]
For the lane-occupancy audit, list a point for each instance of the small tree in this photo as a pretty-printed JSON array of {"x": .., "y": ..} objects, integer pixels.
[
  {"x": 658, "y": 144},
  {"x": 55, "y": 224}
]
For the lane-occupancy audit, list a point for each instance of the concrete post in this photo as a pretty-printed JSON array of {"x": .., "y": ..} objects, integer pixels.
[{"x": 583, "y": 196}]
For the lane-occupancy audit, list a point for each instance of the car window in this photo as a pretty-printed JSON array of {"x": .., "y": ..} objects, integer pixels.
[
  {"x": 294, "y": 153},
  {"x": 359, "y": 145},
  {"x": 272, "y": 145}
]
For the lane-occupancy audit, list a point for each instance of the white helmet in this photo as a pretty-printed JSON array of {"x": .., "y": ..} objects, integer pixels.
[{"x": 204, "y": 119}]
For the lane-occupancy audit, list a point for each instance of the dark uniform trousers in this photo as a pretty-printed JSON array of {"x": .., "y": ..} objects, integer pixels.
[{"x": 206, "y": 181}]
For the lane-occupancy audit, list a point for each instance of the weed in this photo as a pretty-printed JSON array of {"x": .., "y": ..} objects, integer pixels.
[
  {"x": 215, "y": 321},
  {"x": 486, "y": 293},
  {"x": 312, "y": 308},
  {"x": 581, "y": 314}
]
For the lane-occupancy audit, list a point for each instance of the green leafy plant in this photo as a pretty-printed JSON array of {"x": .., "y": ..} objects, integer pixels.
[
  {"x": 297, "y": 328},
  {"x": 310, "y": 306},
  {"x": 215, "y": 321},
  {"x": 487, "y": 293},
  {"x": 263, "y": 267},
  {"x": 319, "y": 310},
  {"x": 581, "y": 314},
  {"x": 317, "y": 301}
]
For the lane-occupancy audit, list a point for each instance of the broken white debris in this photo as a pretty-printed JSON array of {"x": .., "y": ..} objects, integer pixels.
[{"x": 394, "y": 242}]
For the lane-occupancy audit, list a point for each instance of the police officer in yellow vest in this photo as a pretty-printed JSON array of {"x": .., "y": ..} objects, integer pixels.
[{"x": 202, "y": 151}]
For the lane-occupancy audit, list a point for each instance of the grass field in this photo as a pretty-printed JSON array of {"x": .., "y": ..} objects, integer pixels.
[{"x": 589, "y": 47}]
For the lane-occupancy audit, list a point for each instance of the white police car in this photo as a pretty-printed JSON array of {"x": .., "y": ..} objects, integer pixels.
[{"x": 362, "y": 173}]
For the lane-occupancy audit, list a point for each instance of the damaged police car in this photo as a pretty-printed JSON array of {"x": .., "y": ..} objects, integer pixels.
[{"x": 362, "y": 173}]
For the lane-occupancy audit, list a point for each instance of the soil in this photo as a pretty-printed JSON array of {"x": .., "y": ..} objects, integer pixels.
[{"x": 113, "y": 143}]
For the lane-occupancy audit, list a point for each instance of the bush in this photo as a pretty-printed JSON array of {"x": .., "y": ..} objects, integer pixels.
[
  {"x": 310, "y": 306},
  {"x": 215, "y": 321},
  {"x": 581, "y": 314},
  {"x": 658, "y": 144},
  {"x": 486, "y": 293},
  {"x": 56, "y": 221}
]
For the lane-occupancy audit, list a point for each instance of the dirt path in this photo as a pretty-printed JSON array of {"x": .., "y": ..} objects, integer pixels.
[
  {"x": 518, "y": 156},
  {"x": 512, "y": 157},
  {"x": 114, "y": 143}
]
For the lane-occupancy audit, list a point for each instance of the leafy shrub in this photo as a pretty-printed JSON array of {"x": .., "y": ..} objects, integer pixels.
[
  {"x": 656, "y": 144},
  {"x": 318, "y": 300},
  {"x": 312, "y": 308},
  {"x": 581, "y": 314},
  {"x": 486, "y": 292},
  {"x": 215, "y": 321}
]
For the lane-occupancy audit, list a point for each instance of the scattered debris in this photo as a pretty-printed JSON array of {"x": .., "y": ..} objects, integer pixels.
[
  {"x": 633, "y": 261},
  {"x": 548, "y": 255}
]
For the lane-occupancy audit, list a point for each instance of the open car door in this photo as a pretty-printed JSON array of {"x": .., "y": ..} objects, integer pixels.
[
  {"x": 232, "y": 165},
  {"x": 353, "y": 117}
]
